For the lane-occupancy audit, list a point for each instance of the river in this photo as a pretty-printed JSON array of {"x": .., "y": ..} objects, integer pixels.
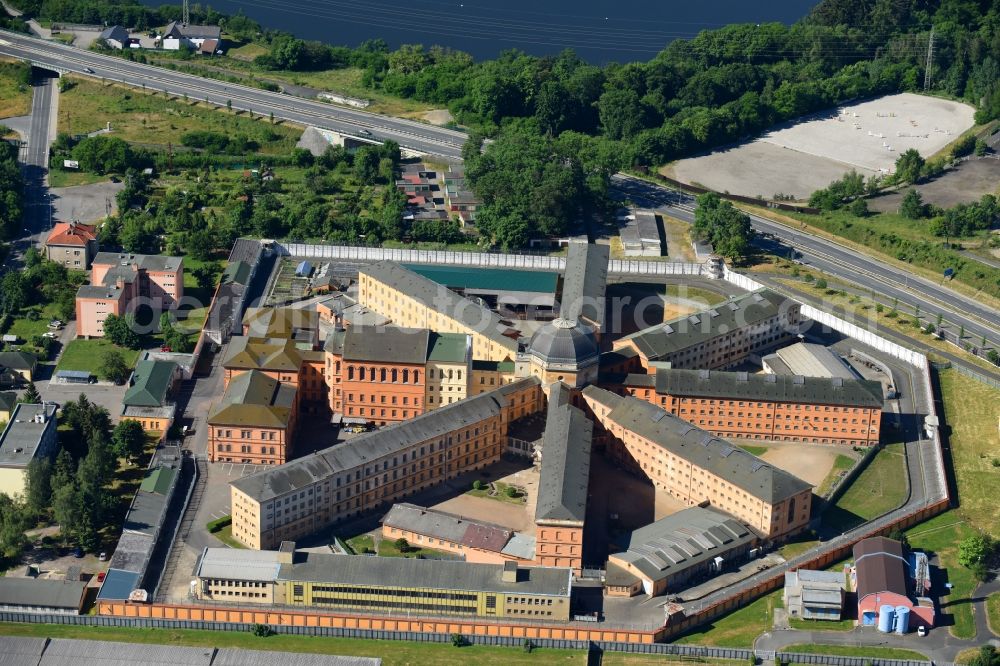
[{"x": 600, "y": 31}]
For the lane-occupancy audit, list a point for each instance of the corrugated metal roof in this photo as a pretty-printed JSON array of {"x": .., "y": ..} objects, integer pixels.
[
  {"x": 493, "y": 279},
  {"x": 880, "y": 566},
  {"x": 234, "y": 563}
]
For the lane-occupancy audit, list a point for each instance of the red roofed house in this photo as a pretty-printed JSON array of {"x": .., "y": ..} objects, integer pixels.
[{"x": 72, "y": 244}]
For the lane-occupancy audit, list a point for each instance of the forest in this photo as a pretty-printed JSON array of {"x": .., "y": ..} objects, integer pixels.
[{"x": 562, "y": 125}]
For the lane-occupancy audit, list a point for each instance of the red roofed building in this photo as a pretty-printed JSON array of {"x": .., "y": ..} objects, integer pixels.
[{"x": 72, "y": 244}]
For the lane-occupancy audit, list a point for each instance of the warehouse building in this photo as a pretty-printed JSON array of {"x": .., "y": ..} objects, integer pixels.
[
  {"x": 695, "y": 466},
  {"x": 663, "y": 556},
  {"x": 809, "y": 360},
  {"x": 881, "y": 577}
]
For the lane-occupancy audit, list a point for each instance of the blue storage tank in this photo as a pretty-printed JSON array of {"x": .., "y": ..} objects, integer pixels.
[
  {"x": 902, "y": 619},
  {"x": 886, "y": 618}
]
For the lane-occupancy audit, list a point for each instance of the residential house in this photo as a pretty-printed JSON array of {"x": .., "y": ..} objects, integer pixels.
[
  {"x": 178, "y": 34},
  {"x": 116, "y": 37},
  {"x": 72, "y": 244},
  {"x": 17, "y": 367}
]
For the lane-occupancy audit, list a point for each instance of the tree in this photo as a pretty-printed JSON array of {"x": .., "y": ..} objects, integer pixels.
[
  {"x": 976, "y": 549},
  {"x": 859, "y": 208},
  {"x": 909, "y": 166},
  {"x": 458, "y": 640},
  {"x": 402, "y": 545},
  {"x": 38, "y": 490},
  {"x": 13, "y": 523},
  {"x": 912, "y": 207},
  {"x": 114, "y": 368},
  {"x": 720, "y": 223},
  {"x": 987, "y": 656},
  {"x": 31, "y": 395},
  {"x": 821, "y": 284},
  {"x": 128, "y": 439},
  {"x": 104, "y": 154},
  {"x": 118, "y": 331}
]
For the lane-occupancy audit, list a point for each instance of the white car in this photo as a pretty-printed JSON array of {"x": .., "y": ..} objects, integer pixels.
[{"x": 921, "y": 631}]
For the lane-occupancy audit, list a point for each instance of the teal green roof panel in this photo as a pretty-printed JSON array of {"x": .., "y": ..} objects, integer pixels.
[{"x": 495, "y": 279}]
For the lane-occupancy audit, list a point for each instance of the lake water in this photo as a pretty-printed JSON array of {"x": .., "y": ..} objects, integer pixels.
[{"x": 598, "y": 30}]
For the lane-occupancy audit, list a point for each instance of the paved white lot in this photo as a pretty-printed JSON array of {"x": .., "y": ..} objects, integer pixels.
[{"x": 800, "y": 157}]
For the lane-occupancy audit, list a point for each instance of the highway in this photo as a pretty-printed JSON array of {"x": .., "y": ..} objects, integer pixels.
[
  {"x": 839, "y": 261},
  {"x": 417, "y": 136},
  {"x": 34, "y": 160}
]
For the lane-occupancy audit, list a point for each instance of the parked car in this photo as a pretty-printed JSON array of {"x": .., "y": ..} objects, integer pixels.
[
  {"x": 164, "y": 348},
  {"x": 78, "y": 553},
  {"x": 50, "y": 334},
  {"x": 921, "y": 631},
  {"x": 103, "y": 556},
  {"x": 88, "y": 70},
  {"x": 100, "y": 576}
]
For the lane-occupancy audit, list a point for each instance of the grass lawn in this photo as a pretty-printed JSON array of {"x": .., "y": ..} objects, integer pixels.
[
  {"x": 26, "y": 328},
  {"x": 879, "y": 488},
  {"x": 392, "y": 653},
  {"x": 225, "y": 535},
  {"x": 70, "y": 178},
  {"x": 796, "y": 548},
  {"x": 857, "y": 651},
  {"x": 361, "y": 543},
  {"x": 147, "y": 118},
  {"x": 820, "y": 625},
  {"x": 971, "y": 410},
  {"x": 387, "y": 548},
  {"x": 841, "y": 464},
  {"x": 88, "y": 355},
  {"x": 993, "y": 611},
  {"x": 941, "y": 536},
  {"x": 191, "y": 288},
  {"x": 754, "y": 450},
  {"x": 707, "y": 296},
  {"x": 15, "y": 97},
  {"x": 739, "y": 628},
  {"x": 678, "y": 237},
  {"x": 501, "y": 495}
]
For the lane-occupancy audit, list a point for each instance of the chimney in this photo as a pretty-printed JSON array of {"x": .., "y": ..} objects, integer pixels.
[
  {"x": 286, "y": 551},
  {"x": 509, "y": 572}
]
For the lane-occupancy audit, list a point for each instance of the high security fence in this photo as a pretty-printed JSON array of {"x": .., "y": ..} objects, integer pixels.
[{"x": 358, "y": 254}]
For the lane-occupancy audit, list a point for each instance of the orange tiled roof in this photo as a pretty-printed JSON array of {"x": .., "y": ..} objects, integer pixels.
[{"x": 71, "y": 233}]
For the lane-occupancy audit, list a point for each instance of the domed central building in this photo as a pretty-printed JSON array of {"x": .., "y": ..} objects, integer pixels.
[{"x": 563, "y": 350}]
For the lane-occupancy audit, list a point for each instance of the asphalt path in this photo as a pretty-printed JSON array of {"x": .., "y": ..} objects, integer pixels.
[
  {"x": 838, "y": 261},
  {"x": 366, "y": 126}
]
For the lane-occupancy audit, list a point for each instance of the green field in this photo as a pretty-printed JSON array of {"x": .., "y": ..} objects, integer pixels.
[
  {"x": 392, "y": 653},
  {"x": 878, "y": 489},
  {"x": 60, "y": 178},
  {"x": 147, "y": 118},
  {"x": 501, "y": 495},
  {"x": 841, "y": 464},
  {"x": 15, "y": 96},
  {"x": 993, "y": 611},
  {"x": 856, "y": 651},
  {"x": 739, "y": 628},
  {"x": 88, "y": 354},
  {"x": 971, "y": 412}
]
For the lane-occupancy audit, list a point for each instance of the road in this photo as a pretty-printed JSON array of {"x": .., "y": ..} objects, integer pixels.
[
  {"x": 35, "y": 159},
  {"x": 416, "y": 136},
  {"x": 839, "y": 261}
]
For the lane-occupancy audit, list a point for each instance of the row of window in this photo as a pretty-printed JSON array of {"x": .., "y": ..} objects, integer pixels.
[
  {"x": 268, "y": 435},
  {"x": 379, "y": 591}
]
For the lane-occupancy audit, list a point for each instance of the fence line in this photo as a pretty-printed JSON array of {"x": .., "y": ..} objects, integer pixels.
[{"x": 481, "y": 259}]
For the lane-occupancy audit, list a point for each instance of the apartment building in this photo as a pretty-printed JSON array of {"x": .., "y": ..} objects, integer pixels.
[
  {"x": 254, "y": 422},
  {"x": 721, "y": 337},
  {"x": 781, "y": 408},
  {"x": 449, "y": 369},
  {"x": 72, "y": 244},
  {"x": 487, "y": 375},
  {"x": 119, "y": 279},
  {"x": 377, "y": 468},
  {"x": 280, "y": 359},
  {"x": 695, "y": 466},
  {"x": 411, "y": 300}
]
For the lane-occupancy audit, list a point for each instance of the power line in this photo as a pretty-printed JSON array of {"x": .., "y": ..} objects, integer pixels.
[{"x": 930, "y": 61}]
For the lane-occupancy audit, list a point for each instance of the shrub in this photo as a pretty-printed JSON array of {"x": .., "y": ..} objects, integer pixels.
[
  {"x": 402, "y": 545},
  {"x": 458, "y": 640},
  {"x": 477, "y": 485},
  {"x": 510, "y": 491},
  {"x": 821, "y": 283},
  {"x": 262, "y": 630}
]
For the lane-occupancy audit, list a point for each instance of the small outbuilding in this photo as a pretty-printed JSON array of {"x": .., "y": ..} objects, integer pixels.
[{"x": 814, "y": 595}]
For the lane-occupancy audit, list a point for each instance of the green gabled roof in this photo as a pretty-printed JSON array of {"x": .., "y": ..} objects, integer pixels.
[
  {"x": 158, "y": 480},
  {"x": 248, "y": 353},
  {"x": 237, "y": 272},
  {"x": 499, "y": 279},
  {"x": 254, "y": 399},
  {"x": 448, "y": 347},
  {"x": 150, "y": 383}
]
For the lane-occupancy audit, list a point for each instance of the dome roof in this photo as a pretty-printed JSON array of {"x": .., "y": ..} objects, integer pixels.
[{"x": 564, "y": 342}]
